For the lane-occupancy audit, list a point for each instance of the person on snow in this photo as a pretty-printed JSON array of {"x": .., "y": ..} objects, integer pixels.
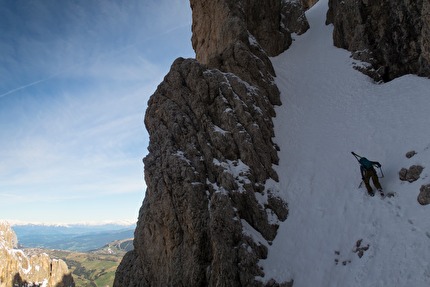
[{"x": 368, "y": 172}]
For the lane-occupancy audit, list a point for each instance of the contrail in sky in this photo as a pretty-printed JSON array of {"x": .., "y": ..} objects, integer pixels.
[
  {"x": 105, "y": 55},
  {"x": 108, "y": 54},
  {"x": 25, "y": 86}
]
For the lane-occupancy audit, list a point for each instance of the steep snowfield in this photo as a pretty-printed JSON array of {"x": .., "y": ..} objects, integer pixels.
[{"x": 329, "y": 109}]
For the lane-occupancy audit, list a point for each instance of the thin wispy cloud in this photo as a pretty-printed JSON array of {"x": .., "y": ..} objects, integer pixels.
[
  {"x": 94, "y": 34},
  {"x": 74, "y": 85}
]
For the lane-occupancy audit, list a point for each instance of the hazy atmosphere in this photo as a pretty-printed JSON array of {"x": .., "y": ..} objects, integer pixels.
[{"x": 75, "y": 77}]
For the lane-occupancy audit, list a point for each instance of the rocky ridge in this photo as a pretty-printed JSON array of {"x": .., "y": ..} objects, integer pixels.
[
  {"x": 19, "y": 269},
  {"x": 308, "y": 3},
  {"x": 212, "y": 204},
  {"x": 391, "y": 36}
]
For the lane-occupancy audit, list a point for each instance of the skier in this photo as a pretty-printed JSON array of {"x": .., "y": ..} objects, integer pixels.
[{"x": 368, "y": 172}]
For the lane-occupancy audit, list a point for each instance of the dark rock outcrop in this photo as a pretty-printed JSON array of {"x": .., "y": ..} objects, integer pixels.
[
  {"x": 392, "y": 36},
  {"x": 424, "y": 195},
  {"x": 412, "y": 174},
  {"x": 308, "y": 3},
  {"x": 410, "y": 154},
  {"x": 293, "y": 16},
  {"x": 212, "y": 204}
]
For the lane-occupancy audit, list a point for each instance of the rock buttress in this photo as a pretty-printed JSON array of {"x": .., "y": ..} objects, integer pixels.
[
  {"x": 212, "y": 204},
  {"x": 392, "y": 36}
]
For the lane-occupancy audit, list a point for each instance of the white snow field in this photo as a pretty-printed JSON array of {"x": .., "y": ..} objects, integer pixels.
[{"x": 329, "y": 109}]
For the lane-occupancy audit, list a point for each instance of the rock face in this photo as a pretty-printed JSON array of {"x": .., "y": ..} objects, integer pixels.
[
  {"x": 308, "y": 3},
  {"x": 392, "y": 36},
  {"x": 221, "y": 24},
  {"x": 424, "y": 195},
  {"x": 212, "y": 203},
  {"x": 412, "y": 174},
  {"x": 18, "y": 269}
]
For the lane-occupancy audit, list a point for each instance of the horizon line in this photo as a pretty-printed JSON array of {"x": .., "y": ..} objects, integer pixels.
[{"x": 64, "y": 224}]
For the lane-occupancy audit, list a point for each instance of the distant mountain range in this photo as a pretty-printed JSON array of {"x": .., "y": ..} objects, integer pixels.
[{"x": 75, "y": 237}]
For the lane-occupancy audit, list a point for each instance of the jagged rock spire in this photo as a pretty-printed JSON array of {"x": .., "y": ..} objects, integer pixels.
[{"x": 212, "y": 205}]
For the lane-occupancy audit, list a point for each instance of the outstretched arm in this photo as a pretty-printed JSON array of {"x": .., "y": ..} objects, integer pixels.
[{"x": 376, "y": 163}]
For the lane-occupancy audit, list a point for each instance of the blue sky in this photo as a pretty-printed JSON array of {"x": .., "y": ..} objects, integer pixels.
[{"x": 75, "y": 78}]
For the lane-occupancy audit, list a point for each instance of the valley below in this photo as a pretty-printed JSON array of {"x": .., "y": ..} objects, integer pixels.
[
  {"x": 93, "y": 268},
  {"x": 70, "y": 255}
]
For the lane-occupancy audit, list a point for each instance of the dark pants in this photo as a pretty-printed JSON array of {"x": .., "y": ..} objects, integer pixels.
[{"x": 371, "y": 174}]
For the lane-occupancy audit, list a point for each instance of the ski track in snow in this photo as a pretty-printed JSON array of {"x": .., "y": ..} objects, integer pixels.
[{"x": 329, "y": 109}]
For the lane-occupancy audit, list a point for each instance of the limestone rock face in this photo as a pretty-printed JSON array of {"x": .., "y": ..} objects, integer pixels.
[
  {"x": 211, "y": 154},
  {"x": 19, "y": 269},
  {"x": 212, "y": 204},
  {"x": 392, "y": 36},
  {"x": 293, "y": 16},
  {"x": 8, "y": 239},
  {"x": 218, "y": 25}
]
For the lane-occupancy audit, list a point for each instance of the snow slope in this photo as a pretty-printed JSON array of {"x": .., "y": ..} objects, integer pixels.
[{"x": 329, "y": 109}]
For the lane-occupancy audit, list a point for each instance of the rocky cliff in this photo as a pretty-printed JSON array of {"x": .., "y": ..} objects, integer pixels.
[
  {"x": 212, "y": 205},
  {"x": 393, "y": 37},
  {"x": 18, "y": 269},
  {"x": 308, "y": 3}
]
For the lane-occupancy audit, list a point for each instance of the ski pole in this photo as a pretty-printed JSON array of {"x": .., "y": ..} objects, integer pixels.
[
  {"x": 382, "y": 173},
  {"x": 356, "y": 156}
]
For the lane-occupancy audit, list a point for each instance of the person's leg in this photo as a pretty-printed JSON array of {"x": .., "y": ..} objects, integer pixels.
[
  {"x": 376, "y": 180},
  {"x": 366, "y": 180}
]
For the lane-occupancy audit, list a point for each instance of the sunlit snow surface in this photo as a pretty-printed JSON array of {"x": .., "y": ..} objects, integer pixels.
[{"x": 329, "y": 109}]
